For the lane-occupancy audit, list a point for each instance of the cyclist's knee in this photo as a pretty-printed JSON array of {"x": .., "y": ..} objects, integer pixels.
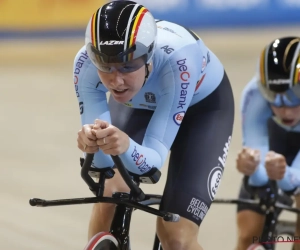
[
  {"x": 177, "y": 236},
  {"x": 116, "y": 184},
  {"x": 250, "y": 225}
]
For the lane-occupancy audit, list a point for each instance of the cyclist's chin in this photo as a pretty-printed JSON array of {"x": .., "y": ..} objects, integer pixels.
[{"x": 122, "y": 97}]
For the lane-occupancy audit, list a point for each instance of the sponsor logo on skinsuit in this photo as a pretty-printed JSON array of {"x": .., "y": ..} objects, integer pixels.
[
  {"x": 197, "y": 208},
  {"x": 184, "y": 77},
  {"x": 78, "y": 66},
  {"x": 203, "y": 64},
  {"x": 213, "y": 182},
  {"x": 168, "y": 29},
  {"x": 178, "y": 117},
  {"x": 140, "y": 161},
  {"x": 150, "y": 97},
  {"x": 128, "y": 104},
  {"x": 222, "y": 159},
  {"x": 167, "y": 49},
  {"x": 81, "y": 107},
  {"x": 214, "y": 177},
  {"x": 148, "y": 106}
]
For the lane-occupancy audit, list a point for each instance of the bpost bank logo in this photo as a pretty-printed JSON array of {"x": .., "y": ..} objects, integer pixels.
[
  {"x": 184, "y": 77},
  {"x": 140, "y": 161},
  {"x": 178, "y": 117},
  {"x": 78, "y": 66}
]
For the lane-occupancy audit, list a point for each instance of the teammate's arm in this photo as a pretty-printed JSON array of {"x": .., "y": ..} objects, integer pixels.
[
  {"x": 291, "y": 178},
  {"x": 255, "y": 113}
]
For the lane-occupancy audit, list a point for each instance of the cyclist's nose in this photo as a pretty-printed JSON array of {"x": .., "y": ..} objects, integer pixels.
[
  {"x": 117, "y": 79},
  {"x": 288, "y": 112}
]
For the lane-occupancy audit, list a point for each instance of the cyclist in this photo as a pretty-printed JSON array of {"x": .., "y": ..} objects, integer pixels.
[
  {"x": 168, "y": 91},
  {"x": 270, "y": 109}
]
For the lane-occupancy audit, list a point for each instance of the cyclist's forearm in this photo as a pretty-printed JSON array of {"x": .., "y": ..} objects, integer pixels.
[
  {"x": 139, "y": 159},
  {"x": 259, "y": 177},
  {"x": 291, "y": 179}
]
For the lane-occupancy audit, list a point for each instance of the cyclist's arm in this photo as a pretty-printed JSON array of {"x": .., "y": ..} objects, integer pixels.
[
  {"x": 255, "y": 113},
  {"x": 291, "y": 179},
  {"x": 177, "y": 84},
  {"x": 91, "y": 96}
]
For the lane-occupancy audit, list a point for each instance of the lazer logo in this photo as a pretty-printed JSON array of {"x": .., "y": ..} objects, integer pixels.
[
  {"x": 279, "y": 81},
  {"x": 111, "y": 42}
]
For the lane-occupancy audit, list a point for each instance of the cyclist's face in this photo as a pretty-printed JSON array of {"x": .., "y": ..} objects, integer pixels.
[
  {"x": 123, "y": 86},
  {"x": 289, "y": 116}
]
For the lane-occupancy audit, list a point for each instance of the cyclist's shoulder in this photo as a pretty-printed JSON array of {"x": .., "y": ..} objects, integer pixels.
[
  {"x": 172, "y": 37},
  {"x": 252, "y": 99},
  {"x": 83, "y": 66},
  {"x": 251, "y": 88}
]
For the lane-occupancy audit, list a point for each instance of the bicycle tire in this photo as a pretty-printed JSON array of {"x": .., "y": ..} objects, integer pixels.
[
  {"x": 255, "y": 247},
  {"x": 103, "y": 241}
]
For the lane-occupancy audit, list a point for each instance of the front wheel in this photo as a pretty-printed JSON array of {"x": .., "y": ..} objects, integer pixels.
[
  {"x": 102, "y": 241},
  {"x": 255, "y": 247}
]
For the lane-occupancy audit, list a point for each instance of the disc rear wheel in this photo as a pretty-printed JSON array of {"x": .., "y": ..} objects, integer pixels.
[{"x": 102, "y": 241}]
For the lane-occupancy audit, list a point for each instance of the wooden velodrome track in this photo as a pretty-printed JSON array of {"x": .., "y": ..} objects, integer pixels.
[{"x": 39, "y": 155}]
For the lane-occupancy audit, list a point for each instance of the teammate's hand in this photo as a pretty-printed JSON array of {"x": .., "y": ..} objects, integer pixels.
[
  {"x": 275, "y": 165},
  {"x": 110, "y": 139},
  {"x": 87, "y": 141},
  {"x": 247, "y": 161}
]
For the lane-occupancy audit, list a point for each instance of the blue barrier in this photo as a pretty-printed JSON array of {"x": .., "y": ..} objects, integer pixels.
[
  {"x": 198, "y": 14},
  {"x": 225, "y": 13}
]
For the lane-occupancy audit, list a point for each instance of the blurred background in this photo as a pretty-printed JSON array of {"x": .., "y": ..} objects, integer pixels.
[{"x": 40, "y": 113}]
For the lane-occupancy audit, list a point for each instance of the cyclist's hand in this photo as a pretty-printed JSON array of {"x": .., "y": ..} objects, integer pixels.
[
  {"x": 87, "y": 141},
  {"x": 275, "y": 165},
  {"x": 247, "y": 161},
  {"x": 110, "y": 139}
]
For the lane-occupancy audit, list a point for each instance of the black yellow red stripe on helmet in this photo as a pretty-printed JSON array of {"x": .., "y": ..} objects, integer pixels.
[
  {"x": 134, "y": 28},
  {"x": 262, "y": 67},
  {"x": 94, "y": 28},
  {"x": 297, "y": 71}
]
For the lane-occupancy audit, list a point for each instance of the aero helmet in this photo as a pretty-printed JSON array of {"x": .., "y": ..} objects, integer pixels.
[
  {"x": 280, "y": 72},
  {"x": 121, "y": 32}
]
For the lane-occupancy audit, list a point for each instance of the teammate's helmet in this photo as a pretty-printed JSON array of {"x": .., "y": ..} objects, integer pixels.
[
  {"x": 121, "y": 32},
  {"x": 280, "y": 72}
]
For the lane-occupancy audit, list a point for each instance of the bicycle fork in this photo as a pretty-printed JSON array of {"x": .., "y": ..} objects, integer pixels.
[{"x": 120, "y": 226}]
